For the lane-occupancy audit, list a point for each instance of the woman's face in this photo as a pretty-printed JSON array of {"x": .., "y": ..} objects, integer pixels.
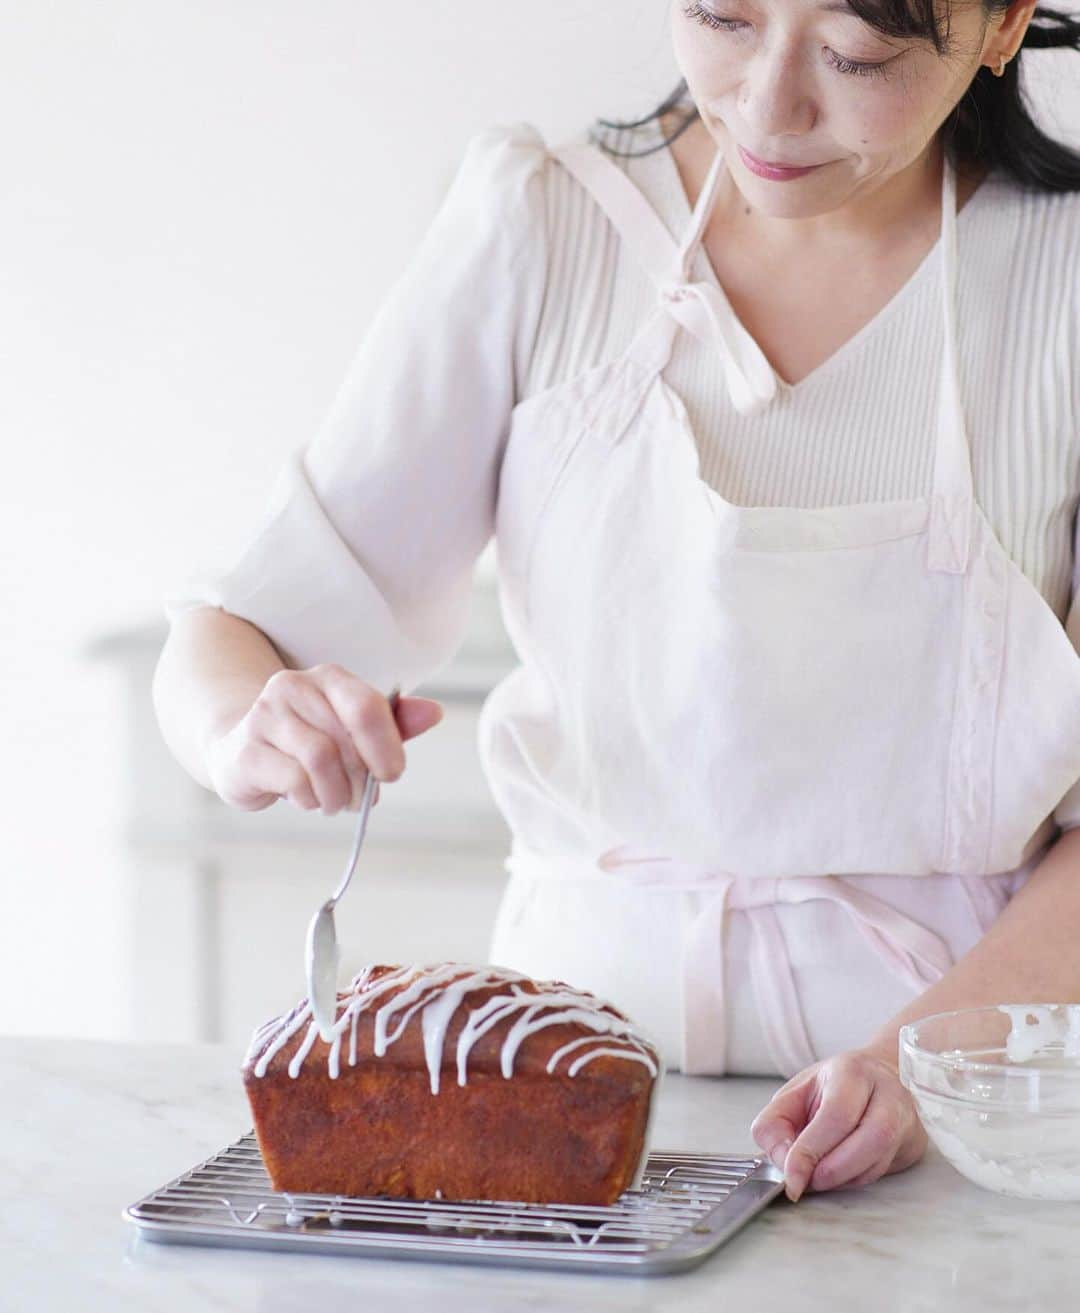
[{"x": 806, "y": 82}]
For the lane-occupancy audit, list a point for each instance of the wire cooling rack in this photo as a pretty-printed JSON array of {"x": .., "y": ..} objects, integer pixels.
[{"x": 688, "y": 1205}]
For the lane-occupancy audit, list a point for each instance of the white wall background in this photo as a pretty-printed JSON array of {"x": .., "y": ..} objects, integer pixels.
[{"x": 201, "y": 206}]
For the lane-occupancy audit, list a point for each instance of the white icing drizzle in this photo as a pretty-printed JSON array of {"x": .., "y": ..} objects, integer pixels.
[
  {"x": 306, "y": 1047},
  {"x": 620, "y": 1053},
  {"x": 436, "y": 992}
]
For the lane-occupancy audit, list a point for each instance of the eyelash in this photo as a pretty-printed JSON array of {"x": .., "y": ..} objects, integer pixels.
[{"x": 838, "y": 62}]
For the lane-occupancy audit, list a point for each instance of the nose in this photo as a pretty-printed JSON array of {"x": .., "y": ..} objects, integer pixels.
[{"x": 777, "y": 96}]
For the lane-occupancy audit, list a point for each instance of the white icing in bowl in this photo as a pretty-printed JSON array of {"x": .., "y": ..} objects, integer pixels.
[{"x": 998, "y": 1091}]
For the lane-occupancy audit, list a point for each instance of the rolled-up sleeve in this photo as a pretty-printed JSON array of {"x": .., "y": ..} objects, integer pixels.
[{"x": 364, "y": 554}]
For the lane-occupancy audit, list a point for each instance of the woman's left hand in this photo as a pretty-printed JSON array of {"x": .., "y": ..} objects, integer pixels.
[{"x": 849, "y": 1121}]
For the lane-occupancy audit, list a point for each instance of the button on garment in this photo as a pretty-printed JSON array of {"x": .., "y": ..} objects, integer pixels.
[{"x": 764, "y": 705}]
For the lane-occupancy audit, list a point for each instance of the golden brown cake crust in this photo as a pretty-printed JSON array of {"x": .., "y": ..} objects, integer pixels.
[{"x": 376, "y": 1127}]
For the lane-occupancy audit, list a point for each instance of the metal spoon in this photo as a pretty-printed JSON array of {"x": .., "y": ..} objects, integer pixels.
[{"x": 322, "y": 954}]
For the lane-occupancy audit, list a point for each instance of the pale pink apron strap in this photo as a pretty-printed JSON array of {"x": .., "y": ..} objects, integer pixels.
[
  {"x": 633, "y": 218},
  {"x": 911, "y": 951},
  {"x": 953, "y": 498},
  {"x": 705, "y": 310},
  {"x": 700, "y": 307},
  {"x": 777, "y": 994},
  {"x": 702, "y": 972},
  {"x": 916, "y": 955}
]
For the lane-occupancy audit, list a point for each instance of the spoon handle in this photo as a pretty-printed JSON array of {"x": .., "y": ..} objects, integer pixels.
[{"x": 365, "y": 808}]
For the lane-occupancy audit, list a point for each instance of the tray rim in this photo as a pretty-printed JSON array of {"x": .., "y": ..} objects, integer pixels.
[{"x": 760, "y": 1185}]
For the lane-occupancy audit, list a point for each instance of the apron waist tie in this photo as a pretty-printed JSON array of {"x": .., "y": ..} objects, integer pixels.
[{"x": 916, "y": 955}]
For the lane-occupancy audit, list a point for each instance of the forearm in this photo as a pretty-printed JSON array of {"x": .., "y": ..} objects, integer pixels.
[
  {"x": 1031, "y": 954},
  {"x": 212, "y": 668}
]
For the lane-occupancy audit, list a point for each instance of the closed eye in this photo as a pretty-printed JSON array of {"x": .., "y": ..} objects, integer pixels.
[{"x": 854, "y": 67}]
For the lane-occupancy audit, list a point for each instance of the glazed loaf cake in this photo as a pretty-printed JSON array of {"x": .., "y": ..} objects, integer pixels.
[{"x": 455, "y": 1082}]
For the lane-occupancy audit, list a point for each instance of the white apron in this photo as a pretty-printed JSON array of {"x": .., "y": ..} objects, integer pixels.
[{"x": 769, "y": 770}]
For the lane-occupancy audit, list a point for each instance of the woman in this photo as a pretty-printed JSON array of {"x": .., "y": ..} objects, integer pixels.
[{"x": 760, "y": 417}]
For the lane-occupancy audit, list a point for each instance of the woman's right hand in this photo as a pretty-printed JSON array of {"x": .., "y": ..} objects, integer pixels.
[{"x": 310, "y": 736}]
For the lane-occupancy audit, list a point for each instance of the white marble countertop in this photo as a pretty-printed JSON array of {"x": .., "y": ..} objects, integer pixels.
[{"x": 91, "y": 1127}]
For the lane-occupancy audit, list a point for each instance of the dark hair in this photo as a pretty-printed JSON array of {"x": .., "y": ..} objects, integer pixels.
[{"x": 989, "y": 127}]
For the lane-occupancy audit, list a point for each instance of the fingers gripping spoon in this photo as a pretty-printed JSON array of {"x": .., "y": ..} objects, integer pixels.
[{"x": 322, "y": 954}]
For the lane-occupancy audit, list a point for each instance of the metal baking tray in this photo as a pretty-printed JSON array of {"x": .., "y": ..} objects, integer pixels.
[{"x": 688, "y": 1205}]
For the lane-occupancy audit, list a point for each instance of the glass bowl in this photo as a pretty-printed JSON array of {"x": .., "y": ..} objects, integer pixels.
[{"x": 998, "y": 1090}]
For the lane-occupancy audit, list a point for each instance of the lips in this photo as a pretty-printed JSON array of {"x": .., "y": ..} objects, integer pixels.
[
  {"x": 773, "y": 172},
  {"x": 776, "y": 164}
]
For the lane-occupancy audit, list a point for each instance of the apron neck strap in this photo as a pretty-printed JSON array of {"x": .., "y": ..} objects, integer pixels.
[
  {"x": 635, "y": 220},
  {"x": 952, "y": 504},
  {"x": 697, "y": 306},
  {"x": 703, "y": 208}
]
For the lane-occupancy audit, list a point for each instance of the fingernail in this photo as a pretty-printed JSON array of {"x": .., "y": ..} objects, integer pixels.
[
  {"x": 794, "y": 1193},
  {"x": 779, "y": 1154}
]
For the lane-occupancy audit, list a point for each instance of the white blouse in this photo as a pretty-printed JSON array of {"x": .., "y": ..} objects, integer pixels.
[{"x": 365, "y": 553}]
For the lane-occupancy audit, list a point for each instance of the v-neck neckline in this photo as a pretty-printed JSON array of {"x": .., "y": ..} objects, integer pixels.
[{"x": 930, "y": 261}]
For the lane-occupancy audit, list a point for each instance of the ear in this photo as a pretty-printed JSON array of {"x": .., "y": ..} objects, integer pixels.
[{"x": 1006, "y": 38}]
